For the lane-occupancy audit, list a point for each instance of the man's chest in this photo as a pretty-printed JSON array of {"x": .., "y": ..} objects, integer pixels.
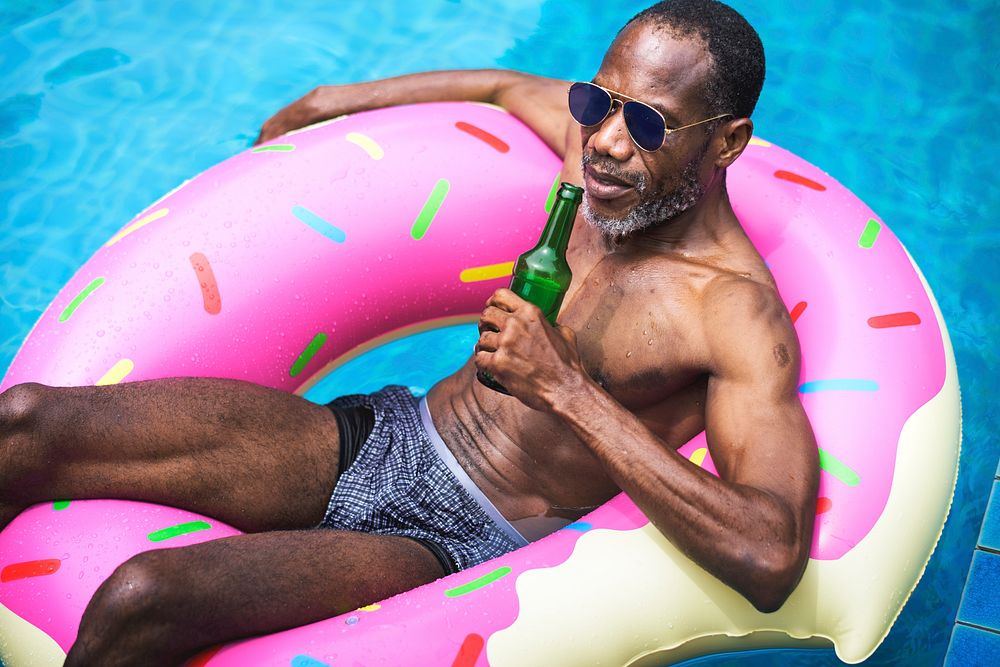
[{"x": 637, "y": 329}]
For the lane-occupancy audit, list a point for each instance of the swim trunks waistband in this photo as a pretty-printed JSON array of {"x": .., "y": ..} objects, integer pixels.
[{"x": 463, "y": 477}]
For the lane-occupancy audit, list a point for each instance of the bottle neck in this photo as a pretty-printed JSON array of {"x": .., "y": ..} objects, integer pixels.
[{"x": 559, "y": 226}]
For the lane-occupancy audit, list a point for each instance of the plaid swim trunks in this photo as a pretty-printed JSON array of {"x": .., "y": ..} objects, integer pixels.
[{"x": 406, "y": 482}]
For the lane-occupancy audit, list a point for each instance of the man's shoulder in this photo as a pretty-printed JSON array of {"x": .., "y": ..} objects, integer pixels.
[
  {"x": 746, "y": 323},
  {"x": 734, "y": 295}
]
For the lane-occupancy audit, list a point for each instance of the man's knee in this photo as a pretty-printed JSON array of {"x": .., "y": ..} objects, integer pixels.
[
  {"x": 23, "y": 450},
  {"x": 20, "y": 406},
  {"x": 130, "y": 614}
]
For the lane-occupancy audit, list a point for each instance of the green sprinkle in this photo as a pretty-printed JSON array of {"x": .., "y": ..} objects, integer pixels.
[
  {"x": 60, "y": 505},
  {"x": 178, "y": 530},
  {"x": 430, "y": 209},
  {"x": 307, "y": 354},
  {"x": 275, "y": 148},
  {"x": 75, "y": 303},
  {"x": 828, "y": 463},
  {"x": 868, "y": 236},
  {"x": 550, "y": 202},
  {"x": 476, "y": 584}
]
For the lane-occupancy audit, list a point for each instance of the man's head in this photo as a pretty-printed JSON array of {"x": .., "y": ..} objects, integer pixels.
[{"x": 690, "y": 60}]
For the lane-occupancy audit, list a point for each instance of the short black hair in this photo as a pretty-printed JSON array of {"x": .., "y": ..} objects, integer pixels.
[{"x": 736, "y": 50}]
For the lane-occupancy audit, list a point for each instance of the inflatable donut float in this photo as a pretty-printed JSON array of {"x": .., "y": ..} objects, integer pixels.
[{"x": 294, "y": 257}]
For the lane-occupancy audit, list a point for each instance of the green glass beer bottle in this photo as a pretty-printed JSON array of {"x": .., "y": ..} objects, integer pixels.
[{"x": 542, "y": 275}]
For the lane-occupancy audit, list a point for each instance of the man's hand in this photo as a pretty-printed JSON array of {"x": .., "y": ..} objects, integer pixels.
[
  {"x": 318, "y": 104},
  {"x": 535, "y": 362}
]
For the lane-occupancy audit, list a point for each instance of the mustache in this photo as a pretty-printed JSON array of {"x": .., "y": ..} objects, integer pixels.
[{"x": 610, "y": 166}]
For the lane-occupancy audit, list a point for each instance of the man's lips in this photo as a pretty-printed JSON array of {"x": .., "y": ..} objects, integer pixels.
[{"x": 604, "y": 186}]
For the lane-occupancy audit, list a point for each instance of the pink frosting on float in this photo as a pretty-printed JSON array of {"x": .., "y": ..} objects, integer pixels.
[
  {"x": 260, "y": 254},
  {"x": 88, "y": 539},
  {"x": 281, "y": 281}
]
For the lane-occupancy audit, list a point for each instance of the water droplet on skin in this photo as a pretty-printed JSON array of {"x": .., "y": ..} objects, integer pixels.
[
  {"x": 629, "y": 353},
  {"x": 650, "y": 342}
]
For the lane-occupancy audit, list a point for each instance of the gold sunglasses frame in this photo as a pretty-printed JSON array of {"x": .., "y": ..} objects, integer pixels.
[{"x": 614, "y": 94}]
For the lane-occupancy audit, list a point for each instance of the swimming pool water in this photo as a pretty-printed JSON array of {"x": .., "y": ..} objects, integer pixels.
[{"x": 105, "y": 106}]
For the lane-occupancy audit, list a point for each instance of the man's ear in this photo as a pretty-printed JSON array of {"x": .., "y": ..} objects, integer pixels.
[{"x": 735, "y": 135}]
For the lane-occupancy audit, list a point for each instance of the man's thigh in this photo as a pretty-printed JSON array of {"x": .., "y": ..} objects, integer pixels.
[
  {"x": 166, "y": 605},
  {"x": 255, "y": 457}
]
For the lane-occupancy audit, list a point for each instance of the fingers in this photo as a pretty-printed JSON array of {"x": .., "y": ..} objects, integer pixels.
[
  {"x": 507, "y": 300},
  {"x": 492, "y": 319},
  {"x": 489, "y": 341},
  {"x": 266, "y": 133}
]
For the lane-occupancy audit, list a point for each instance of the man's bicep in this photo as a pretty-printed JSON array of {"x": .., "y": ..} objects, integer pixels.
[
  {"x": 540, "y": 103},
  {"x": 760, "y": 437},
  {"x": 756, "y": 428}
]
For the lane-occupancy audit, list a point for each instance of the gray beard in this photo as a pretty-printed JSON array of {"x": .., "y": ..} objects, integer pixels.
[{"x": 649, "y": 211}]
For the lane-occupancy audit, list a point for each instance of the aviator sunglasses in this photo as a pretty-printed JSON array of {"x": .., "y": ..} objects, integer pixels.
[{"x": 590, "y": 104}]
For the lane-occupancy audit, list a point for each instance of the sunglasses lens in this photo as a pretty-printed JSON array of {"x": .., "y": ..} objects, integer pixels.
[
  {"x": 644, "y": 124},
  {"x": 588, "y": 104}
]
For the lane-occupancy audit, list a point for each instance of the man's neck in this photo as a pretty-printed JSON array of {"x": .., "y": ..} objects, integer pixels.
[{"x": 698, "y": 231}]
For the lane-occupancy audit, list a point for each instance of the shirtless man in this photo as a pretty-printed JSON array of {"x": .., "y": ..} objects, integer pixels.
[{"x": 672, "y": 325}]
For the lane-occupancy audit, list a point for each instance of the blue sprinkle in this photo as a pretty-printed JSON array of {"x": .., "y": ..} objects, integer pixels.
[
  {"x": 581, "y": 526},
  {"x": 306, "y": 661},
  {"x": 838, "y": 385},
  {"x": 319, "y": 224},
  {"x": 352, "y": 620}
]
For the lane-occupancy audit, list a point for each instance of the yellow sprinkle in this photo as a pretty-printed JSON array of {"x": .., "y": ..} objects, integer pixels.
[
  {"x": 477, "y": 273},
  {"x": 142, "y": 222},
  {"x": 368, "y": 144},
  {"x": 754, "y": 141},
  {"x": 698, "y": 456},
  {"x": 117, "y": 373},
  {"x": 371, "y": 607}
]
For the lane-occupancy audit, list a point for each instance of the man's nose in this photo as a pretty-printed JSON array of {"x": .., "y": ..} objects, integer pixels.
[{"x": 611, "y": 137}]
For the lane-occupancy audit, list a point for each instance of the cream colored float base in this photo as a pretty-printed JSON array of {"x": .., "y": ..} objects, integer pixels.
[
  {"x": 24, "y": 645},
  {"x": 631, "y": 598}
]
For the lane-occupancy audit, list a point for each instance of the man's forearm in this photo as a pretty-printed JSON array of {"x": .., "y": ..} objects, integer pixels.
[
  {"x": 531, "y": 98},
  {"x": 467, "y": 85},
  {"x": 742, "y": 535}
]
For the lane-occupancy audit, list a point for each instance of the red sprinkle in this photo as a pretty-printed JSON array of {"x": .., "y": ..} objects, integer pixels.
[
  {"x": 894, "y": 320},
  {"x": 31, "y": 568},
  {"x": 799, "y": 308},
  {"x": 209, "y": 287},
  {"x": 481, "y": 134},
  {"x": 799, "y": 180},
  {"x": 823, "y": 504},
  {"x": 469, "y": 653}
]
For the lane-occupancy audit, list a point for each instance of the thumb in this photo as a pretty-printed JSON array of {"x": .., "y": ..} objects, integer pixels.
[{"x": 567, "y": 334}]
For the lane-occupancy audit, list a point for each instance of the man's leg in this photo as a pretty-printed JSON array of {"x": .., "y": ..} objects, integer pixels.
[
  {"x": 257, "y": 458},
  {"x": 163, "y": 606}
]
